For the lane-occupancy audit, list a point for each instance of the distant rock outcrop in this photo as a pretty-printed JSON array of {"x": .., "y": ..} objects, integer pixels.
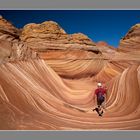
[
  {"x": 131, "y": 41},
  {"x": 50, "y": 31},
  {"x": 48, "y": 36},
  {"x": 107, "y": 50},
  {"x": 103, "y": 46}
]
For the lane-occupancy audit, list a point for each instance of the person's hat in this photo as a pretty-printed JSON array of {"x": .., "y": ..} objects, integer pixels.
[{"x": 99, "y": 84}]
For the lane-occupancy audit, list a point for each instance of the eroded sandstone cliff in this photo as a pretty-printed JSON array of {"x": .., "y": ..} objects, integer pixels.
[{"x": 11, "y": 47}]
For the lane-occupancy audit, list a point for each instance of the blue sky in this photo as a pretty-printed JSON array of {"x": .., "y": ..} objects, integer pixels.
[{"x": 99, "y": 25}]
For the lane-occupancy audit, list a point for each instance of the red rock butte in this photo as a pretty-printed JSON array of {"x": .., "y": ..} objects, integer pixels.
[{"x": 48, "y": 78}]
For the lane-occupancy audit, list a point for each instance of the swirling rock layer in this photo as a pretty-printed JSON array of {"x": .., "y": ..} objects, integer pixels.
[
  {"x": 56, "y": 91},
  {"x": 131, "y": 40}
]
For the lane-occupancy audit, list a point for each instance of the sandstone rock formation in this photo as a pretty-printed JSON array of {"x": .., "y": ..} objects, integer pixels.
[
  {"x": 131, "y": 40},
  {"x": 50, "y": 37},
  {"x": 56, "y": 91},
  {"x": 52, "y": 43},
  {"x": 11, "y": 48},
  {"x": 103, "y": 46}
]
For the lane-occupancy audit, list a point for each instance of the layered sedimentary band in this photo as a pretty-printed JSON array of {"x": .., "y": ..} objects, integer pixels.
[
  {"x": 48, "y": 79},
  {"x": 33, "y": 96}
]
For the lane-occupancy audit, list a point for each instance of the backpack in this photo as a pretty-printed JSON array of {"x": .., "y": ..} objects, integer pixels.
[{"x": 100, "y": 97}]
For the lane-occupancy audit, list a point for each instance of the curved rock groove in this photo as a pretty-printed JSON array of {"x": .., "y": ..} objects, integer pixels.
[{"x": 34, "y": 96}]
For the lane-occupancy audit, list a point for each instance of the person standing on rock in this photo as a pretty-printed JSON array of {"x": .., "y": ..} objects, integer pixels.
[{"x": 100, "y": 93}]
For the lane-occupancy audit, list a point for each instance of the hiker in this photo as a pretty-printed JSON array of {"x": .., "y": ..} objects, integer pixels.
[{"x": 100, "y": 93}]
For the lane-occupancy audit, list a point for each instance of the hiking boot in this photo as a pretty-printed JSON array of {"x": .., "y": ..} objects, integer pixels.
[
  {"x": 100, "y": 115},
  {"x": 102, "y": 112},
  {"x": 95, "y": 109}
]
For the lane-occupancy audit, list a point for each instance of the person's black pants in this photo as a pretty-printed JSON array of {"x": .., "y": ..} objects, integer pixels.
[{"x": 99, "y": 101}]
